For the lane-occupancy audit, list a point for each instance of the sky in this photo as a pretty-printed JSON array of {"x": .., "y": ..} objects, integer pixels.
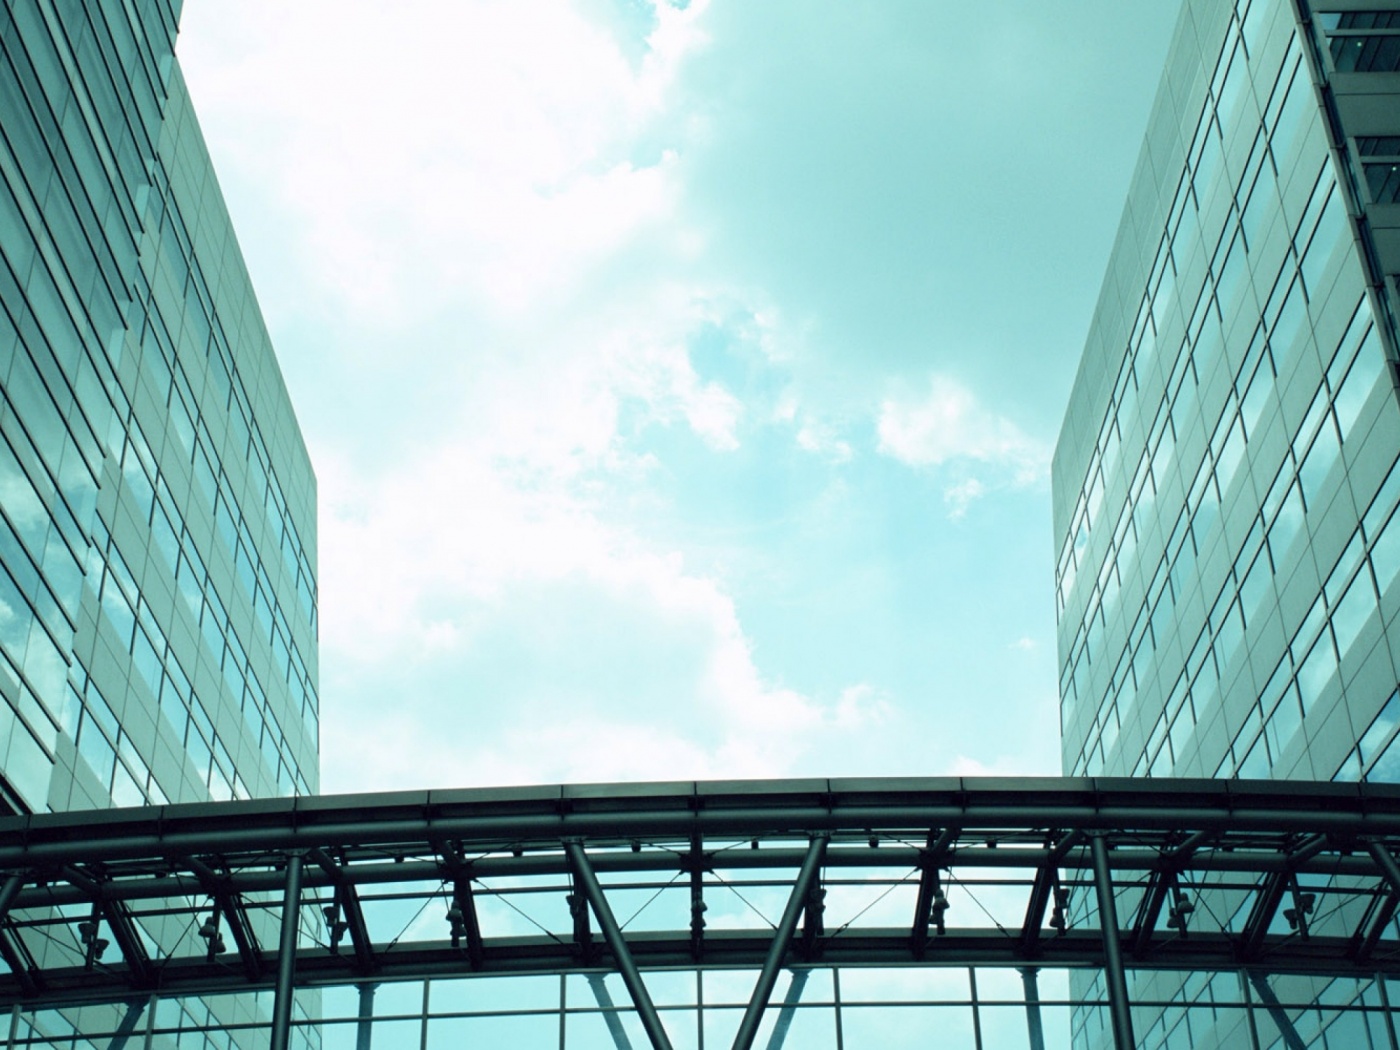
[{"x": 681, "y": 379}]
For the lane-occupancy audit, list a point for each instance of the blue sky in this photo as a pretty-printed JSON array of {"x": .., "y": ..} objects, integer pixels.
[{"x": 681, "y": 380}]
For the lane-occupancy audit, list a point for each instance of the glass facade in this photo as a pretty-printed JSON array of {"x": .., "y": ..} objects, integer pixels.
[
  {"x": 1226, "y": 479},
  {"x": 157, "y": 505}
]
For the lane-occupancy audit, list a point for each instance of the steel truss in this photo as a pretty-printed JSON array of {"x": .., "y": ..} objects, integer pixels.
[{"x": 1109, "y": 873}]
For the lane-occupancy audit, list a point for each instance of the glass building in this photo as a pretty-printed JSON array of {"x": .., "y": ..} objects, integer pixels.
[
  {"x": 157, "y": 505},
  {"x": 1226, "y": 475},
  {"x": 1226, "y": 479}
]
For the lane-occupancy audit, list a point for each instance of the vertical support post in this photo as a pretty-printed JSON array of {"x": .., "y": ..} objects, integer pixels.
[
  {"x": 1389, "y": 1017},
  {"x": 617, "y": 944},
  {"x": 287, "y": 955},
  {"x": 563, "y": 1007},
  {"x": 1114, "y": 975},
  {"x": 14, "y": 1027},
  {"x": 836, "y": 1003},
  {"x": 150, "y": 1022},
  {"x": 1035, "y": 1032},
  {"x": 364, "y": 1020},
  {"x": 1245, "y": 997},
  {"x": 700, "y": 1010},
  {"x": 423, "y": 1017},
  {"x": 782, "y": 937},
  {"x": 976, "y": 1008}
]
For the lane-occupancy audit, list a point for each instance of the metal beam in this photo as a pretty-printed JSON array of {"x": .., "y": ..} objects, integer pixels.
[
  {"x": 465, "y": 900},
  {"x": 695, "y": 862},
  {"x": 540, "y": 814},
  {"x": 930, "y": 858},
  {"x": 1193, "y": 842},
  {"x": 1386, "y": 862},
  {"x": 230, "y": 908},
  {"x": 347, "y": 905},
  {"x": 284, "y": 989},
  {"x": 359, "y": 932},
  {"x": 26, "y": 973},
  {"x": 124, "y": 932},
  {"x": 1379, "y": 915},
  {"x": 1115, "y": 977},
  {"x": 1159, "y": 885},
  {"x": 617, "y": 944},
  {"x": 782, "y": 937},
  {"x": 16, "y": 956},
  {"x": 1373, "y": 926},
  {"x": 1045, "y": 879},
  {"x": 813, "y": 923},
  {"x": 1261, "y": 916},
  {"x": 462, "y": 914},
  {"x": 1233, "y": 835},
  {"x": 9, "y": 891}
]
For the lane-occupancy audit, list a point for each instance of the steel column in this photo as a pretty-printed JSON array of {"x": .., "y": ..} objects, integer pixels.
[
  {"x": 782, "y": 937},
  {"x": 364, "y": 1021},
  {"x": 287, "y": 956},
  {"x": 1035, "y": 1033},
  {"x": 1115, "y": 977},
  {"x": 1251, "y": 1026},
  {"x": 976, "y": 1011},
  {"x": 617, "y": 944},
  {"x": 150, "y": 1022},
  {"x": 1386, "y": 1012}
]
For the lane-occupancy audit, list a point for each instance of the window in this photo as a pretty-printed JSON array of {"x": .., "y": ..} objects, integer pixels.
[
  {"x": 1384, "y": 180},
  {"x": 1357, "y": 52}
]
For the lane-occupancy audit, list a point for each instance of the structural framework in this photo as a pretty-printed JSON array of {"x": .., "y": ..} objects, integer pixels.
[{"x": 1120, "y": 875}]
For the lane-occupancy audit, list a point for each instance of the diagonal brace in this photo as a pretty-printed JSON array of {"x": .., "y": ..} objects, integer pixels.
[
  {"x": 931, "y": 857},
  {"x": 465, "y": 902},
  {"x": 230, "y": 907},
  {"x": 782, "y": 937},
  {"x": 617, "y": 944},
  {"x": 124, "y": 932},
  {"x": 1160, "y": 884},
  {"x": 347, "y": 899},
  {"x": 1366, "y": 942},
  {"x": 1261, "y": 916}
]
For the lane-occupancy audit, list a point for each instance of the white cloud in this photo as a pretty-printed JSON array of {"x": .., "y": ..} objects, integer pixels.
[
  {"x": 961, "y": 496},
  {"x": 949, "y": 427},
  {"x": 949, "y": 424},
  {"x": 432, "y": 563},
  {"x": 437, "y": 150},
  {"x": 502, "y": 224},
  {"x": 823, "y": 441}
]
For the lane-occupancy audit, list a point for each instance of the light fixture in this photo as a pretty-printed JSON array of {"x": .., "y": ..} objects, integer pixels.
[{"x": 210, "y": 932}]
